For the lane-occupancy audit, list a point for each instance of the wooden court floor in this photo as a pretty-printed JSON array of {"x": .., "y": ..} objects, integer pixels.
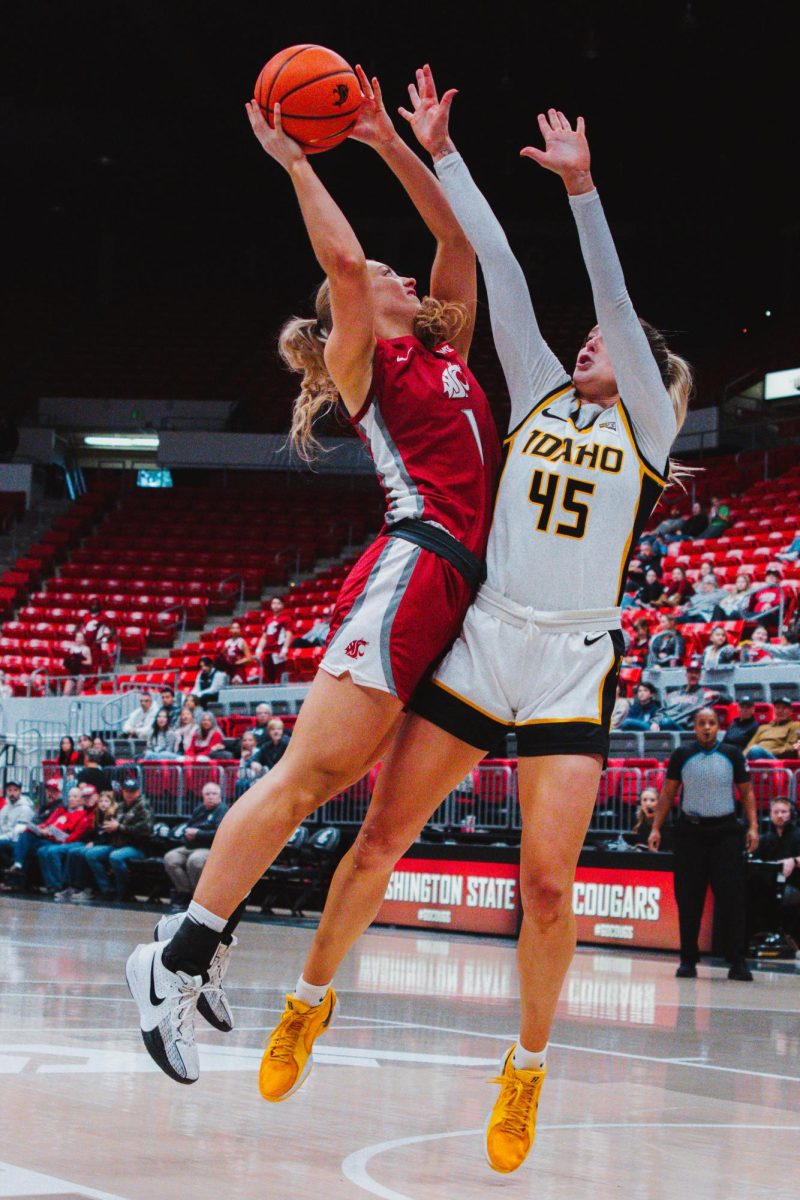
[{"x": 658, "y": 1088}]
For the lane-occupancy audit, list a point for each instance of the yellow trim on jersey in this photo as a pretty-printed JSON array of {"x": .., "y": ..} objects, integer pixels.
[
  {"x": 627, "y": 548},
  {"x": 660, "y": 479},
  {"x": 470, "y": 704},
  {"x": 558, "y": 721},
  {"x": 548, "y": 399}
]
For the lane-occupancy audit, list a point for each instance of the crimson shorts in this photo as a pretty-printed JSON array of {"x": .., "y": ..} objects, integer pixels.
[{"x": 398, "y": 612}]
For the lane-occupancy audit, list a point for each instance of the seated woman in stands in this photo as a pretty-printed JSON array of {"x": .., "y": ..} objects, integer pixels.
[
  {"x": 734, "y": 605},
  {"x": 77, "y": 663},
  {"x": 68, "y": 756},
  {"x": 250, "y": 767},
  {"x": 163, "y": 741},
  {"x": 234, "y": 655},
  {"x": 757, "y": 648},
  {"x": 767, "y": 601},
  {"x": 718, "y": 653},
  {"x": 185, "y": 730},
  {"x": 678, "y": 588},
  {"x": 638, "y": 646},
  {"x": 206, "y": 740}
]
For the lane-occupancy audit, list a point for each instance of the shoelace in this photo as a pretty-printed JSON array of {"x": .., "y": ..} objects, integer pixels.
[
  {"x": 183, "y": 1011},
  {"x": 518, "y": 1109},
  {"x": 289, "y": 1029},
  {"x": 216, "y": 972}
]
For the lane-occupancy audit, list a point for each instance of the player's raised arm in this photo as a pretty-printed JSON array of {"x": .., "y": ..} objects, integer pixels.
[
  {"x": 350, "y": 346},
  {"x": 639, "y": 378},
  {"x": 453, "y": 275},
  {"x": 530, "y": 367}
]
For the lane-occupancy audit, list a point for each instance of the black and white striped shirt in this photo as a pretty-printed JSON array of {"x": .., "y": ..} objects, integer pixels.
[{"x": 708, "y": 778}]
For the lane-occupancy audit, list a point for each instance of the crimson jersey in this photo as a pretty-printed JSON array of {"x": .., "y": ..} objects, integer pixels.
[{"x": 428, "y": 427}]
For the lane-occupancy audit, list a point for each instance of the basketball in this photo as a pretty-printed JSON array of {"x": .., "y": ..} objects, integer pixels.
[{"x": 318, "y": 93}]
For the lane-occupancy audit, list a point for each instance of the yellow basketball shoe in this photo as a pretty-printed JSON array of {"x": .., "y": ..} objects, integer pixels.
[
  {"x": 511, "y": 1127},
  {"x": 287, "y": 1059}
]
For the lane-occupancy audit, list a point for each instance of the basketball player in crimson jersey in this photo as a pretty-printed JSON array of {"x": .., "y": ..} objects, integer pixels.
[{"x": 398, "y": 367}]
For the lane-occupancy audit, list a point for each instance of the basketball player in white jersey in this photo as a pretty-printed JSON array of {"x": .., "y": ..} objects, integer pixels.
[{"x": 539, "y": 652}]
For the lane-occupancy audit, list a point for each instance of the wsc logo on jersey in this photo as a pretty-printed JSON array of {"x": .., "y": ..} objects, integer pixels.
[
  {"x": 454, "y": 383},
  {"x": 356, "y": 648}
]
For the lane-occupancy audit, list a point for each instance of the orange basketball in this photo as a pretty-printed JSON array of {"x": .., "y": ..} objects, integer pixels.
[{"x": 318, "y": 93}]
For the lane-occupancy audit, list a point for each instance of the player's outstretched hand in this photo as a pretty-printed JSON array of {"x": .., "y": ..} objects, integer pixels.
[
  {"x": 374, "y": 125},
  {"x": 277, "y": 144},
  {"x": 566, "y": 150},
  {"x": 430, "y": 118}
]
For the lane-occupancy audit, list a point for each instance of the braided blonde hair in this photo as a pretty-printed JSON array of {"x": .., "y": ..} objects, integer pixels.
[{"x": 301, "y": 345}]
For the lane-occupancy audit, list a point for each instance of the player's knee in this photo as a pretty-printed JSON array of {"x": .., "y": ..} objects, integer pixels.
[
  {"x": 546, "y": 897},
  {"x": 377, "y": 847}
]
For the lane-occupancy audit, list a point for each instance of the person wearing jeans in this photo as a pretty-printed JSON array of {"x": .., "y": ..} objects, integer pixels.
[{"x": 129, "y": 830}]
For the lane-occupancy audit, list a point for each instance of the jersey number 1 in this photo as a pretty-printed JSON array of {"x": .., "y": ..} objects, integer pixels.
[{"x": 544, "y": 491}]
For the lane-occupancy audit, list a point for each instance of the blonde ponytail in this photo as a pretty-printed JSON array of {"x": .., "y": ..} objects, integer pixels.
[
  {"x": 678, "y": 379},
  {"x": 301, "y": 345}
]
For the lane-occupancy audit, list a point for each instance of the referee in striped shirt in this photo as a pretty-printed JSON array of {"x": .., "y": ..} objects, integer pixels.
[{"x": 708, "y": 841}]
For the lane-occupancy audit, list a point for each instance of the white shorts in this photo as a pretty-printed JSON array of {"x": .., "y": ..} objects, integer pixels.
[{"x": 550, "y": 676}]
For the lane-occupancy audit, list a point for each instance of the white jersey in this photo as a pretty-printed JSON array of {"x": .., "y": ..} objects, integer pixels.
[{"x": 579, "y": 481}]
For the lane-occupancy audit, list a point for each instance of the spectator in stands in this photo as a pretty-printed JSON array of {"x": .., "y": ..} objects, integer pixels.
[
  {"x": 734, "y": 604},
  {"x": 139, "y": 723},
  {"x": 163, "y": 740},
  {"x": 643, "y": 821},
  {"x": 651, "y": 592},
  {"x": 637, "y": 649},
  {"x": 719, "y": 521},
  {"x": 766, "y": 603},
  {"x": 742, "y": 728},
  {"x": 15, "y": 813},
  {"x": 99, "y": 636},
  {"x": 206, "y": 739},
  {"x": 6, "y": 689},
  {"x": 272, "y": 750},
  {"x": 633, "y": 581},
  {"x": 250, "y": 766},
  {"x": 670, "y": 525},
  {"x": 208, "y": 682},
  {"x": 80, "y": 884},
  {"x": 790, "y": 553},
  {"x": 170, "y": 705},
  {"x": 59, "y": 823},
  {"x": 779, "y": 737},
  {"x": 185, "y": 863},
  {"x": 684, "y": 704},
  {"x": 649, "y": 558},
  {"x": 186, "y": 728},
  {"x": 695, "y": 523},
  {"x": 757, "y": 649},
  {"x": 130, "y": 832},
  {"x": 668, "y": 646},
  {"x": 781, "y": 843},
  {"x": 273, "y": 645},
  {"x": 703, "y": 606},
  {"x": 53, "y": 857},
  {"x": 703, "y": 571},
  {"x": 77, "y": 662},
  {"x": 621, "y": 709},
  {"x": 718, "y": 653},
  {"x": 234, "y": 655},
  {"x": 317, "y": 635},
  {"x": 644, "y": 711},
  {"x": 68, "y": 756},
  {"x": 263, "y": 714},
  {"x": 678, "y": 589}
]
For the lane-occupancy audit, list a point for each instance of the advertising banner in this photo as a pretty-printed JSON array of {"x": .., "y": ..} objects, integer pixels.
[
  {"x": 631, "y": 907},
  {"x": 473, "y": 897}
]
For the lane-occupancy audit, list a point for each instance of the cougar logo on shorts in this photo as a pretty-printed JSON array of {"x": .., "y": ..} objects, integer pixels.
[
  {"x": 356, "y": 648},
  {"x": 455, "y": 385},
  {"x": 341, "y": 92}
]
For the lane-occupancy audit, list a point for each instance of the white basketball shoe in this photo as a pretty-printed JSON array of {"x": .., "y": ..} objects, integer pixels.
[
  {"x": 167, "y": 1001},
  {"x": 212, "y": 1004}
]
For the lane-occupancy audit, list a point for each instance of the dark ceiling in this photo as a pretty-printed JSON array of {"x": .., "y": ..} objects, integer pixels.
[{"x": 130, "y": 166}]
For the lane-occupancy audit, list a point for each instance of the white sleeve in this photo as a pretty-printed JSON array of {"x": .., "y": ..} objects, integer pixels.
[
  {"x": 638, "y": 377},
  {"x": 529, "y": 365}
]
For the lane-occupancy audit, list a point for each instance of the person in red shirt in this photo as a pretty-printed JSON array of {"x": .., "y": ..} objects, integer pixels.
[
  {"x": 53, "y": 856},
  {"x": 234, "y": 654},
  {"x": 56, "y": 827},
  {"x": 273, "y": 645},
  {"x": 765, "y": 603},
  {"x": 206, "y": 738},
  {"x": 396, "y": 368}
]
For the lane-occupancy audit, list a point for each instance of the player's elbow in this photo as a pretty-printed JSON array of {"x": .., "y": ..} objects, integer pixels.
[{"x": 347, "y": 264}]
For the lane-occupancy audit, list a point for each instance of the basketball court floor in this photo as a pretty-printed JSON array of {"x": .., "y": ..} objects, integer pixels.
[{"x": 658, "y": 1088}]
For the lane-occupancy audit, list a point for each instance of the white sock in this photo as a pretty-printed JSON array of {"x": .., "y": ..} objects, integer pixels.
[
  {"x": 201, "y": 916},
  {"x": 529, "y": 1060},
  {"x": 310, "y": 993}
]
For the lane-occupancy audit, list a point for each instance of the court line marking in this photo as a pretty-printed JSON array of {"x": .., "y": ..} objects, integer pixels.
[
  {"x": 354, "y": 1166},
  {"x": 16, "y": 1181}
]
